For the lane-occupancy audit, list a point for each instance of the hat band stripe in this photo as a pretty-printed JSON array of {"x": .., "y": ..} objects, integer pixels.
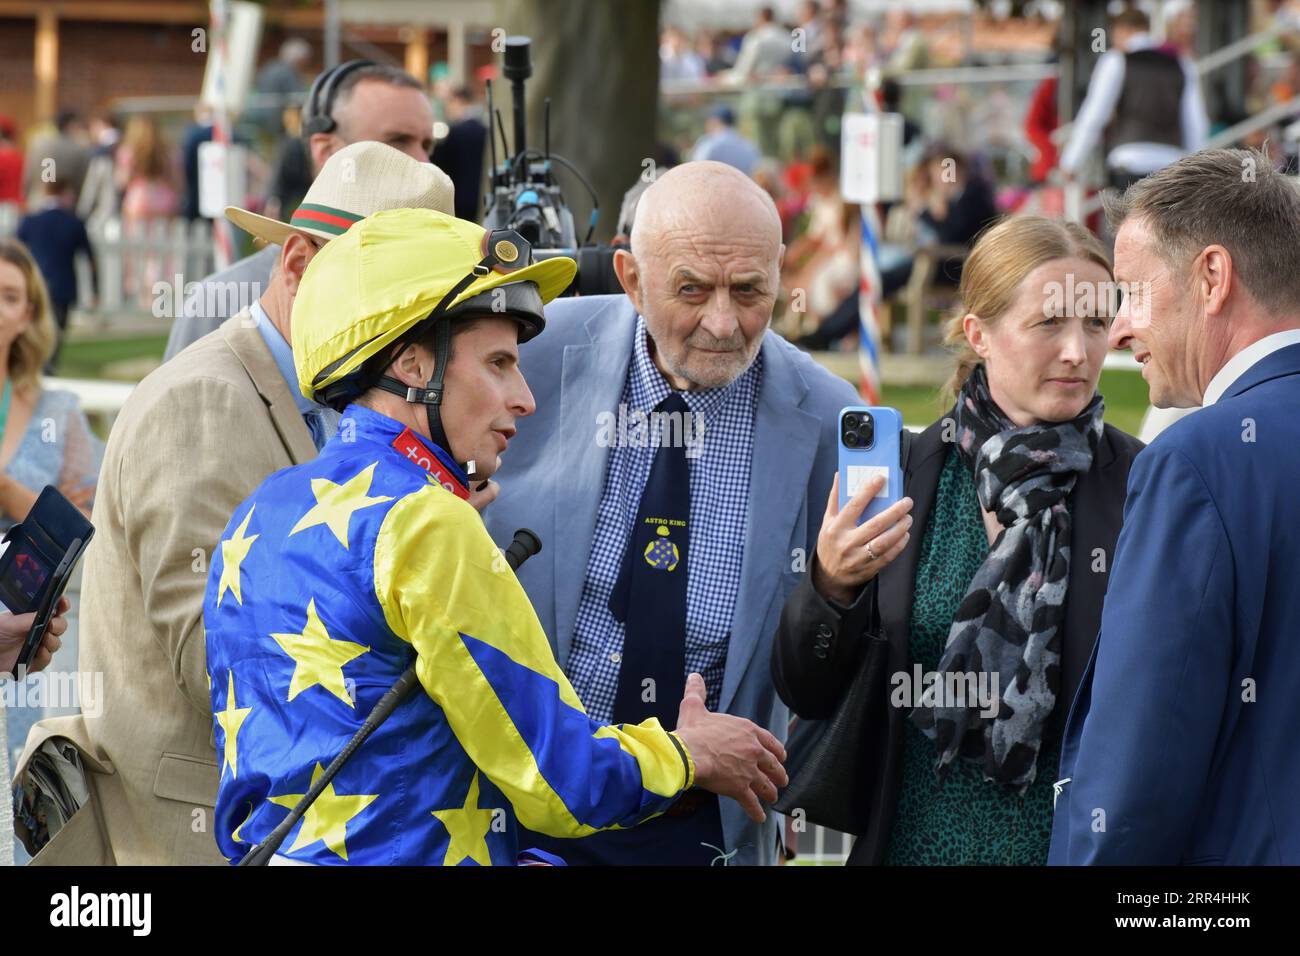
[{"x": 326, "y": 218}]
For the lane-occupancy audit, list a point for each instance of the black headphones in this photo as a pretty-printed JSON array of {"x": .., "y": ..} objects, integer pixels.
[{"x": 317, "y": 116}]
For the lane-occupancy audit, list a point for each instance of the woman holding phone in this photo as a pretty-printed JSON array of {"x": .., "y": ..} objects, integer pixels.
[{"x": 988, "y": 576}]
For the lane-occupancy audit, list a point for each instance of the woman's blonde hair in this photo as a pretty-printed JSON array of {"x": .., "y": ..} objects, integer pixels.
[
  {"x": 148, "y": 151},
  {"x": 1003, "y": 256},
  {"x": 35, "y": 344}
]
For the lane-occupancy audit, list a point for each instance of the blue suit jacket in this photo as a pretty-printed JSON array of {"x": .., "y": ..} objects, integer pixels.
[
  {"x": 54, "y": 237},
  {"x": 554, "y": 471},
  {"x": 1181, "y": 746}
]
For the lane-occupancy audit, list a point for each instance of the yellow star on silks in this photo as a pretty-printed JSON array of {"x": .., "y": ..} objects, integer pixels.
[
  {"x": 467, "y": 827},
  {"x": 233, "y": 551},
  {"x": 326, "y": 819},
  {"x": 231, "y": 719},
  {"x": 335, "y": 503},
  {"x": 318, "y": 658}
]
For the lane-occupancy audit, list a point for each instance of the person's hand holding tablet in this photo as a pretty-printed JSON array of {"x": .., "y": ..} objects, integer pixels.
[{"x": 14, "y": 629}]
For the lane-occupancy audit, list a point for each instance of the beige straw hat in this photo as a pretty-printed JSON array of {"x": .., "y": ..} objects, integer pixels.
[{"x": 359, "y": 180}]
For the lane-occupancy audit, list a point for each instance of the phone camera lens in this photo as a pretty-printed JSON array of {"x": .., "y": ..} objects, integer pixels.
[
  {"x": 850, "y": 422},
  {"x": 851, "y": 439}
]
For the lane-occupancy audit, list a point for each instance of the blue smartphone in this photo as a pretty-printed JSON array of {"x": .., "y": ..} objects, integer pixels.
[{"x": 870, "y": 443}]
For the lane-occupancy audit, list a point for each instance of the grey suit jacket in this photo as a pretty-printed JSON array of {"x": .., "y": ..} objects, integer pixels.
[
  {"x": 220, "y": 296},
  {"x": 553, "y": 473}
]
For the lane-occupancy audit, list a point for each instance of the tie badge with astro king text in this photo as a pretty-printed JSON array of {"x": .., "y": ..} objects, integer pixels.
[{"x": 662, "y": 552}]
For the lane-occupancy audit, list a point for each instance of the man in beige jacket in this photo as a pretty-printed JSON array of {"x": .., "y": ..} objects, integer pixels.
[{"x": 194, "y": 439}]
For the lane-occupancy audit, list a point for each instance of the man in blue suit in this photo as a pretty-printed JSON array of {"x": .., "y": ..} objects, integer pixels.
[
  {"x": 675, "y": 470},
  {"x": 55, "y": 237},
  {"x": 1181, "y": 746}
]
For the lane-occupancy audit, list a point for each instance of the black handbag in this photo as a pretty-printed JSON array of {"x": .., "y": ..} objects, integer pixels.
[{"x": 835, "y": 765}]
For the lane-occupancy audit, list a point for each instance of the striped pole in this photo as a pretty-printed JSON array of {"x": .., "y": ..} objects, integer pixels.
[
  {"x": 869, "y": 297},
  {"x": 869, "y": 306}
]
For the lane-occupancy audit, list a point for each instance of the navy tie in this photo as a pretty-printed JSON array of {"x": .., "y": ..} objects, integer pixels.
[{"x": 649, "y": 597}]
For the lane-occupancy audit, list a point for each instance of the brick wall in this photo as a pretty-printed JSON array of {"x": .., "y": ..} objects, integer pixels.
[
  {"x": 17, "y": 39},
  {"x": 103, "y": 61}
]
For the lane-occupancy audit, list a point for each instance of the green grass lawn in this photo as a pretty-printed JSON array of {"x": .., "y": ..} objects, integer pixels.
[
  {"x": 1125, "y": 394},
  {"x": 86, "y": 357}
]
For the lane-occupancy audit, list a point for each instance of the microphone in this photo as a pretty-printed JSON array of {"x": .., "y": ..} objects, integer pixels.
[{"x": 524, "y": 545}]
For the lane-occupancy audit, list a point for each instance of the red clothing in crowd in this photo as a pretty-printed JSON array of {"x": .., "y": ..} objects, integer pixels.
[
  {"x": 11, "y": 174},
  {"x": 1040, "y": 123}
]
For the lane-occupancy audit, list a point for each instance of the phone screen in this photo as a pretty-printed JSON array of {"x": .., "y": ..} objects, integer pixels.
[{"x": 27, "y": 577}]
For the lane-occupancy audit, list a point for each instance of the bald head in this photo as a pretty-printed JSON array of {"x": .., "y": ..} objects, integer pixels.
[
  {"x": 704, "y": 198},
  {"x": 703, "y": 271}
]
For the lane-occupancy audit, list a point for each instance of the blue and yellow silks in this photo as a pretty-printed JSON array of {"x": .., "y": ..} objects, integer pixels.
[{"x": 329, "y": 581}]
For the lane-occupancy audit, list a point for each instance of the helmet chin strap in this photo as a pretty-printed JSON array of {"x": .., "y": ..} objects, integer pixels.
[{"x": 431, "y": 395}]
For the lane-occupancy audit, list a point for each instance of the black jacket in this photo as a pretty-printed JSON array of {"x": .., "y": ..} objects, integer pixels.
[{"x": 815, "y": 651}]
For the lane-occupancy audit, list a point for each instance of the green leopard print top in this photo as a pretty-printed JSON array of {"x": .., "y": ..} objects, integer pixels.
[{"x": 961, "y": 819}]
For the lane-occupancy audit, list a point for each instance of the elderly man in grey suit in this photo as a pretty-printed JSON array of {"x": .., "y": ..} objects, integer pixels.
[
  {"x": 366, "y": 101},
  {"x": 675, "y": 471}
]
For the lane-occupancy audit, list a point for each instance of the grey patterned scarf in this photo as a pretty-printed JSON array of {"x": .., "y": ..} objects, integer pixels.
[{"x": 1009, "y": 623}]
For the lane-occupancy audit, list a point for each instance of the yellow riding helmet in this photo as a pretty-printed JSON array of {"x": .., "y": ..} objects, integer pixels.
[{"x": 390, "y": 272}]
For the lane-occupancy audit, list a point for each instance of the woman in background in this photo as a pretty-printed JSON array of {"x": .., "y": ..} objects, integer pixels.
[
  {"x": 44, "y": 439},
  {"x": 146, "y": 177}
]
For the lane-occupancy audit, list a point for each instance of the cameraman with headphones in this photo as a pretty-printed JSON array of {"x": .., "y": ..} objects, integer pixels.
[
  {"x": 338, "y": 574},
  {"x": 354, "y": 101}
]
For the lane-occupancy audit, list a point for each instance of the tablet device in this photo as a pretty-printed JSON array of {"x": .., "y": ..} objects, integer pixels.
[{"x": 37, "y": 562}]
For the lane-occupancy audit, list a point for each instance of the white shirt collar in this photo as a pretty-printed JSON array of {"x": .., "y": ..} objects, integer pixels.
[{"x": 1244, "y": 360}]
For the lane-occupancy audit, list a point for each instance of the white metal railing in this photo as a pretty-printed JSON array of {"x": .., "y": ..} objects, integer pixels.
[
  {"x": 1236, "y": 49},
  {"x": 1253, "y": 124},
  {"x": 960, "y": 75},
  {"x": 130, "y": 261},
  {"x": 963, "y": 75},
  {"x": 822, "y": 847},
  {"x": 1123, "y": 361},
  {"x": 97, "y": 397}
]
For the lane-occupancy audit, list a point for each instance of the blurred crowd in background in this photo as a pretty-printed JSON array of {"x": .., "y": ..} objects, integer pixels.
[
  {"x": 766, "y": 97},
  {"x": 973, "y": 151}
]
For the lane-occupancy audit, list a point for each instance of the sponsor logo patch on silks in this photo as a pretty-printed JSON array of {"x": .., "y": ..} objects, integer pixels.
[{"x": 410, "y": 445}]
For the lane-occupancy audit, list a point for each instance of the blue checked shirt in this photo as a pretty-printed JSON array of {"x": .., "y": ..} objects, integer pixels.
[{"x": 719, "y": 465}]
